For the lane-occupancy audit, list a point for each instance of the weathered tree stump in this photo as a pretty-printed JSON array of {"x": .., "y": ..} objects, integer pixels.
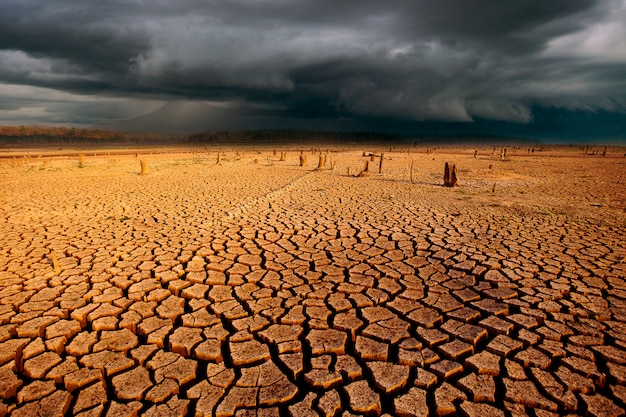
[
  {"x": 322, "y": 163},
  {"x": 455, "y": 180},
  {"x": 366, "y": 170},
  {"x": 449, "y": 176}
]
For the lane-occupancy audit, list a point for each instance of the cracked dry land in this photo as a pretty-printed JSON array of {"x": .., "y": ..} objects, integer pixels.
[{"x": 265, "y": 288}]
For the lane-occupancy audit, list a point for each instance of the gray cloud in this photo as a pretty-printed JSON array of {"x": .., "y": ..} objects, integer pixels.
[{"x": 449, "y": 60}]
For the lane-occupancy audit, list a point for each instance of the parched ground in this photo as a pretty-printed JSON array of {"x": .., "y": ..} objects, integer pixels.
[{"x": 258, "y": 287}]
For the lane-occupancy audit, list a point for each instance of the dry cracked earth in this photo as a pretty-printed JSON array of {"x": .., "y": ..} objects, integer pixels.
[{"x": 261, "y": 288}]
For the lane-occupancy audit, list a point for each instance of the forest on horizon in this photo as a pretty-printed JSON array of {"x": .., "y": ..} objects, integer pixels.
[{"x": 44, "y": 135}]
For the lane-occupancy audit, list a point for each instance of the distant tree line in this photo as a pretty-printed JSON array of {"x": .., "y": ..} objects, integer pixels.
[
  {"x": 314, "y": 136},
  {"x": 39, "y": 135},
  {"x": 292, "y": 136},
  {"x": 68, "y": 135}
]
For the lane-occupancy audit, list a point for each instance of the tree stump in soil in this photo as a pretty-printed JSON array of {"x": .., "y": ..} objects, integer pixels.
[
  {"x": 366, "y": 170},
  {"x": 321, "y": 163},
  {"x": 449, "y": 176}
]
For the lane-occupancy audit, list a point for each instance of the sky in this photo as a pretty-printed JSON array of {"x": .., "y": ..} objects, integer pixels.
[{"x": 471, "y": 65}]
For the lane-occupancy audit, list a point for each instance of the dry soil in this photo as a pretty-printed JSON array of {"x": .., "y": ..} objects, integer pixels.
[{"x": 257, "y": 287}]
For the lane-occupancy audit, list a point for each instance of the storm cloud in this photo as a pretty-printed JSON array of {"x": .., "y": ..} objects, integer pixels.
[{"x": 449, "y": 60}]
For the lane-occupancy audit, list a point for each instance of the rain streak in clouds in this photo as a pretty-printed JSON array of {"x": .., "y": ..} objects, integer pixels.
[{"x": 89, "y": 62}]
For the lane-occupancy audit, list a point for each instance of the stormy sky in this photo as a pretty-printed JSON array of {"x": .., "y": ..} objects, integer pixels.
[{"x": 358, "y": 63}]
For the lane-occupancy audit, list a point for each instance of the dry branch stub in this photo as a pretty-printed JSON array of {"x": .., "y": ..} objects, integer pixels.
[
  {"x": 302, "y": 160},
  {"x": 380, "y": 165}
]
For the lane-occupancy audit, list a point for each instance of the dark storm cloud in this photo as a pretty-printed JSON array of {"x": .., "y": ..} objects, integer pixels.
[
  {"x": 452, "y": 60},
  {"x": 94, "y": 35}
]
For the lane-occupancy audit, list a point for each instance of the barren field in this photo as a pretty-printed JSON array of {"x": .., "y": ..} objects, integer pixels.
[{"x": 259, "y": 287}]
